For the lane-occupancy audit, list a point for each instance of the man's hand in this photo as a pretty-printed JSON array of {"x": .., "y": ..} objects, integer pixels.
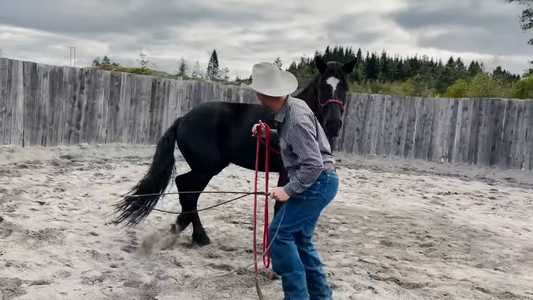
[
  {"x": 279, "y": 194},
  {"x": 260, "y": 129}
]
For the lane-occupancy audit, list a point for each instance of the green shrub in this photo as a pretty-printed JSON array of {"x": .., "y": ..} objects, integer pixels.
[{"x": 522, "y": 89}]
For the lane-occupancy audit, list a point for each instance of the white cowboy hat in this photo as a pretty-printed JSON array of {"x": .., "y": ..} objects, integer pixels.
[{"x": 268, "y": 79}]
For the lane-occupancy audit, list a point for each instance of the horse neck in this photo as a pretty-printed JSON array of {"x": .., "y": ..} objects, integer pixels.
[{"x": 310, "y": 96}]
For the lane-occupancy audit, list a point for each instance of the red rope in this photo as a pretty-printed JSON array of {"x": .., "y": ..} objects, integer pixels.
[
  {"x": 267, "y": 145},
  {"x": 266, "y": 258}
]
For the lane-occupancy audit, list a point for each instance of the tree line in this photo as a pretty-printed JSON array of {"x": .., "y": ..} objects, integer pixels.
[
  {"x": 381, "y": 73},
  {"x": 213, "y": 72},
  {"x": 375, "y": 73}
]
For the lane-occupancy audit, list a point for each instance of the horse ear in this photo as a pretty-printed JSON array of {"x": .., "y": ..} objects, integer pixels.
[
  {"x": 349, "y": 66},
  {"x": 320, "y": 64}
]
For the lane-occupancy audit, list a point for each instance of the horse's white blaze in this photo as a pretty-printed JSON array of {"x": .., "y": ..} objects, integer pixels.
[{"x": 333, "y": 82}]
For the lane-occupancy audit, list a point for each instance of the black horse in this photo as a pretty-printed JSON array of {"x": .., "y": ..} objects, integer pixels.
[{"x": 215, "y": 134}]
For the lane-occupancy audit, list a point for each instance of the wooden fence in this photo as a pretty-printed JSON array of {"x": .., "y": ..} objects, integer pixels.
[
  {"x": 52, "y": 105},
  {"x": 489, "y": 132}
]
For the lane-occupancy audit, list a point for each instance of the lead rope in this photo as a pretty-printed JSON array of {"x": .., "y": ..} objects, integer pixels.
[
  {"x": 266, "y": 251},
  {"x": 266, "y": 258}
]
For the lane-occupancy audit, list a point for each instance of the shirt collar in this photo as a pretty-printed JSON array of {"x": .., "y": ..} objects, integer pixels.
[{"x": 280, "y": 117}]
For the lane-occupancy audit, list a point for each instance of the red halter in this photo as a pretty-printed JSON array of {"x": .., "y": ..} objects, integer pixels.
[{"x": 322, "y": 105}]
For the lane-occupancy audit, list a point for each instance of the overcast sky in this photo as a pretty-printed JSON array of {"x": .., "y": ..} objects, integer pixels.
[{"x": 247, "y": 31}]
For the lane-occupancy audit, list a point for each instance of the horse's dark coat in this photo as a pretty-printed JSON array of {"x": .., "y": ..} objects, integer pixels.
[{"x": 215, "y": 134}]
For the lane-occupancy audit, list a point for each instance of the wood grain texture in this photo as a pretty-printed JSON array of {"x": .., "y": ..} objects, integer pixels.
[{"x": 51, "y": 105}]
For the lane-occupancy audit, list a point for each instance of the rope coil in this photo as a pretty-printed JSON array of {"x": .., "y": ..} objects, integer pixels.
[{"x": 266, "y": 258}]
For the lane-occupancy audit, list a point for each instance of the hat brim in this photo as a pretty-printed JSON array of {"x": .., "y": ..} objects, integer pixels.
[{"x": 286, "y": 86}]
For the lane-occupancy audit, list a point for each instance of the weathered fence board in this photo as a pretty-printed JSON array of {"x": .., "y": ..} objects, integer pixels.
[
  {"x": 47, "y": 105},
  {"x": 3, "y": 97},
  {"x": 528, "y": 116}
]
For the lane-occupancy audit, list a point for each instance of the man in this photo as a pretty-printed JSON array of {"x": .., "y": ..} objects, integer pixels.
[{"x": 313, "y": 184}]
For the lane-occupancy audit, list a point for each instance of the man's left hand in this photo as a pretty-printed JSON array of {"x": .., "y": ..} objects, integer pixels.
[{"x": 279, "y": 194}]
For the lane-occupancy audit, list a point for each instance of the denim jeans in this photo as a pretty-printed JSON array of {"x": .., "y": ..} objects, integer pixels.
[{"x": 294, "y": 257}]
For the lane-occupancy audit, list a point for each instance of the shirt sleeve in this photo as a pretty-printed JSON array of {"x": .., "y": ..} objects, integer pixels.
[
  {"x": 274, "y": 138},
  {"x": 274, "y": 135},
  {"x": 303, "y": 141}
]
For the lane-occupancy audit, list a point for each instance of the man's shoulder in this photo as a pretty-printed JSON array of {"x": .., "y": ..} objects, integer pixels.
[
  {"x": 300, "y": 114},
  {"x": 298, "y": 106}
]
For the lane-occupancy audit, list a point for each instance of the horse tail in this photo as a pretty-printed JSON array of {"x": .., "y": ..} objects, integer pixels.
[{"x": 142, "y": 198}]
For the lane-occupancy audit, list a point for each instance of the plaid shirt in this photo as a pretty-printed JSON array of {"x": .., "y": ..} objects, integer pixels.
[{"x": 305, "y": 149}]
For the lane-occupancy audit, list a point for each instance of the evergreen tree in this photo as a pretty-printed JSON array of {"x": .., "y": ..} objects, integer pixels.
[
  {"x": 529, "y": 72},
  {"x": 474, "y": 68},
  {"x": 183, "y": 69},
  {"x": 106, "y": 61},
  {"x": 327, "y": 54},
  {"x": 385, "y": 70},
  {"x": 451, "y": 63},
  {"x": 278, "y": 62},
  {"x": 359, "y": 56},
  {"x": 213, "y": 68}
]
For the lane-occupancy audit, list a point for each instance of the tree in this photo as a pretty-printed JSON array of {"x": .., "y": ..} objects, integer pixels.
[
  {"x": 523, "y": 89},
  {"x": 372, "y": 67},
  {"x": 278, "y": 62},
  {"x": 106, "y": 61},
  {"x": 143, "y": 61},
  {"x": 96, "y": 62},
  {"x": 213, "y": 69},
  {"x": 474, "y": 69},
  {"x": 529, "y": 72},
  {"x": 459, "y": 89},
  {"x": 183, "y": 69},
  {"x": 223, "y": 74},
  {"x": 196, "y": 71}
]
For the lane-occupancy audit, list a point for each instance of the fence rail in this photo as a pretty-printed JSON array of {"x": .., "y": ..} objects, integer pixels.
[{"x": 51, "y": 105}]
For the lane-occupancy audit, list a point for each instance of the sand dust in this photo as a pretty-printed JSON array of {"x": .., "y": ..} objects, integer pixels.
[{"x": 397, "y": 230}]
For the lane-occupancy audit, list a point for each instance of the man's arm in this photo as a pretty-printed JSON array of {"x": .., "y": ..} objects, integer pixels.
[
  {"x": 274, "y": 138},
  {"x": 302, "y": 138},
  {"x": 274, "y": 134}
]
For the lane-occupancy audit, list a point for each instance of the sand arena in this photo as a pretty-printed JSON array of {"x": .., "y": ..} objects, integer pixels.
[{"x": 397, "y": 230}]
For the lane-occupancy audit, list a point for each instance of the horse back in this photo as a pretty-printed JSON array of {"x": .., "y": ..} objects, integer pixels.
[{"x": 228, "y": 127}]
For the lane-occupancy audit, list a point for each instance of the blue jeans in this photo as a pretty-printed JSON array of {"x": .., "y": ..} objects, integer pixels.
[{"x": 294, "y": 257}]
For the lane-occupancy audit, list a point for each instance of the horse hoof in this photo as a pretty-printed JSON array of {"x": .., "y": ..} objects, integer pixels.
[
  {"x": 201, "y": 240},
  {"x": 174, "y": 229}
]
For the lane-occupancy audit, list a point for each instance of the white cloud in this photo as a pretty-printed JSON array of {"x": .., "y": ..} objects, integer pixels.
[{"x": 245, "y": 32}]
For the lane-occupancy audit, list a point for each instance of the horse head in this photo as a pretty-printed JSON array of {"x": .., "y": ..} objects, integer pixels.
[{"x": 326, "y": 94}]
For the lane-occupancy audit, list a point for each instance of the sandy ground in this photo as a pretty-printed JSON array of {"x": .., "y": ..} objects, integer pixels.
[{"x": 397, "y": 230}]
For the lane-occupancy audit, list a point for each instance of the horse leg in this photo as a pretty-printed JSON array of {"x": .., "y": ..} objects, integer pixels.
[
  {"x": 189, "y": 182},
  {"x": 282, "y": 181}
]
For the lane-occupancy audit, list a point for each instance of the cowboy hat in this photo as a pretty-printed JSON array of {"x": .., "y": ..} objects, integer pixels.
[{"x": 268, "y": 79}]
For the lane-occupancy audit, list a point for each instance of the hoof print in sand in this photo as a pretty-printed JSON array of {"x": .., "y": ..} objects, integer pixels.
[
  {"x": 158, "y": 241},
  {"x": 6, "y": 228},
  {"x": 10, "y": 288}
]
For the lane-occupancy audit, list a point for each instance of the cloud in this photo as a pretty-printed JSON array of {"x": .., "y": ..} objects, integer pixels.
[
  {"x": 245, "y": 32},
  {"x": 96, "y": 18},
  {"x": 466, "y": 26}
]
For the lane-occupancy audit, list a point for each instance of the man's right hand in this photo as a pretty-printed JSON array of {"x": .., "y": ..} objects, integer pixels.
[{"x": 260, "y": 129}]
